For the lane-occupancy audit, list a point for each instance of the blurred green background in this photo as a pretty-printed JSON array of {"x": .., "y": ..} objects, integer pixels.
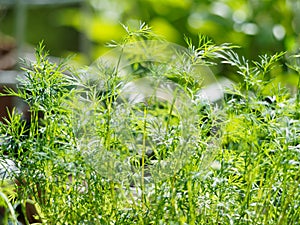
[{"x": 84, "y": 27}]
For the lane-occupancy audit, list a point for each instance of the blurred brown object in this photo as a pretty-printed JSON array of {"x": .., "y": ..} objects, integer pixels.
[
  {"x": 8, "y": 51},
  {"x": 6, "y": 104}
]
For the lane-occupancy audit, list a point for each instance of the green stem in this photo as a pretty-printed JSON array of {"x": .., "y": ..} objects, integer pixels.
[
  {"x": 192, "y": 219},
  {"x": 298, "y": 95},
  {"x": 143, "y": 156},
  {"x": 170, "y": 114}
]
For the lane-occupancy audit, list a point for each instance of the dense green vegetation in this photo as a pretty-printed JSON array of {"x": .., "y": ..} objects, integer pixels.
[{"x": 131, "y": 140}]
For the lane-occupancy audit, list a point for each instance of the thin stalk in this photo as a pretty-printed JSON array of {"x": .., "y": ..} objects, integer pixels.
[
  {"x": 143, "y": 156},
  {"x": 110, "y": 99},
  {"x": 170, "y": 113},
  {"x": 298, "y": 95},
  {"x": 173, "y": 196},
  {"x": 113, "y": 199},
  {"x": 107, "y": 131},
  {"x": 192, "y": 219}
]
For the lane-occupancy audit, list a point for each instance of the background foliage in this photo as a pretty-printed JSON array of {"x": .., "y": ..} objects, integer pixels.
[{"x": 258, "y": 26}]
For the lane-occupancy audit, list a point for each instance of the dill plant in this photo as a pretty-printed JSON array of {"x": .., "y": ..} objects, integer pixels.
[
  {"x": 102, "y": 149},
  {"x": 45, "y": 148}
]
